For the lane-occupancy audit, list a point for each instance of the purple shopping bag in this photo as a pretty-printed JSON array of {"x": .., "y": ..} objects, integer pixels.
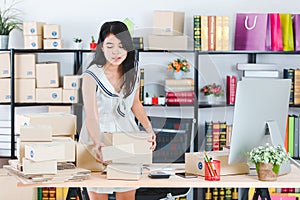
[
  {"x": 252, "y": 32},
  {"x": 296, "y": 28}
]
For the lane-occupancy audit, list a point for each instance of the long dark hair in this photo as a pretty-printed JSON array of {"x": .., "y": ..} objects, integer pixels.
[{"x": 129, "y": 69}]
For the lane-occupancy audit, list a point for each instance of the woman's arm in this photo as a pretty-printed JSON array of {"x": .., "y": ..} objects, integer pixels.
[
  {"x": 140, "y": 113},
  {"x": 91, "y": 111}
]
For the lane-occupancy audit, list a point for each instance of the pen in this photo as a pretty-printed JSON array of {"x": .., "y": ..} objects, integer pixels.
[
  {"x": 213, "y": 168},
  {"x": 210, "y": 169}
]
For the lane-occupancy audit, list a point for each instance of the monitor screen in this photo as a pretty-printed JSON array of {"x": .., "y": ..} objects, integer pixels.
[{"x": 257, "y": 101}]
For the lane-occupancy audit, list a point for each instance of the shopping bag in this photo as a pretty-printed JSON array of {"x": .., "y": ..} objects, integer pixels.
[
  {"x": 287, "y": 32},
  {"x": 251, "y": 32},
  {"x": 276, "y": 34},
  {"x": 296, "y": 28}
]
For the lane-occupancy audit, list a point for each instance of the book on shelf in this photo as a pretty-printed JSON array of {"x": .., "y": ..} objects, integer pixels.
[
  {"x": 296, "y": 136},
  {"x": 231, "y": 83},
  {"x": 216, "y": 136},
  {"x": 291, "y": 135},
  {"x": 261, "y": 73},
  {"x": 256, "y": 66},
  {"x": 228, "y": 134},
  {"x": 297, "y": 86},
  {"x": 208, "y": 129},
  {"x": 197, "y": 32},
  {"x": 184, "y": 94},
  {"x": 178, "y": 101},
  {"x": 289, "y": 74},
  {"x": 211, "y": 33},
  {"x": 222, "y": 138},
  {"x": 225, "y": 33},
  {"x": 142, "y": 84},
  {"x": 204, "y": 33},
  {"x": 218, "y": 33},
  {"x": 181, "y": 82},
  {"x": 178, "y": 88},
  {"x": 139, "y": 40}
]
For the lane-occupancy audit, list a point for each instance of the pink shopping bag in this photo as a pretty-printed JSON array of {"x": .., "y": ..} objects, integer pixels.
[{"x": 252, "y": 32}]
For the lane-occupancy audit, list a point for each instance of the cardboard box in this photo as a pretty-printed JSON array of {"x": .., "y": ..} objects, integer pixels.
[
  {"x": 124, "y": 171},
  {"x": 42, "y": 151},
  {"x": 42, "y": 167},
  {"x": 47, "y": 75},
  {"x": 48, "y": 95},
  {"x": 38, "y": 133},
  {"x": 117, "y": 151},
  {"x": 159, "y": 42},
  {"x": 168, "y": 23},
  {"x": 69, "y": 96},
  {"x": 5, "y": 95},
  {"x": 53, "y": 43},
  {"x": 33, "y": 28},
  {"x": 25, "y": 65},
  {"x": 25, "y": 90},
  {"x": 4, "y": 65},
  {"x": 65, "y": 148},
  {"x": 71, "y": 82},
  {"x": 60, "y": 109},
  {"x": 33, "y": 42},
  {"x": 142, "y": 153},
  {"x": 85, "y": 158},
  {"x": 52, "y": 31},
  {"x": 194, "y": 163},
  {"x": 61, "y": 123}
]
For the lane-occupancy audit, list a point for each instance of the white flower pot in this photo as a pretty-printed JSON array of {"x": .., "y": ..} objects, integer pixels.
[
  {"x": 148, "y": 101},
  {"x": 78, "y": 45},
  {"x": 161, "y": 100}
]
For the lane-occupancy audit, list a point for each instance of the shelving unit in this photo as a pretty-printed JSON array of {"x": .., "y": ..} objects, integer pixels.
[{"x": 76, "y": 69}]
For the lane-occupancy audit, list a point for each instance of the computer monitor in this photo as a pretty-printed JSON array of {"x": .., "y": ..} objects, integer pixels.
[{"x": 258, "y": 101}]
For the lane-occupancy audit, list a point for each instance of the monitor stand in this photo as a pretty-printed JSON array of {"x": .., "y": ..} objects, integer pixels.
[{"x": 273, "y": 137}]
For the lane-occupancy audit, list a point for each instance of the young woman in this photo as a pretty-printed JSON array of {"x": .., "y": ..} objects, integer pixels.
[{"x": 110, "y": 92}]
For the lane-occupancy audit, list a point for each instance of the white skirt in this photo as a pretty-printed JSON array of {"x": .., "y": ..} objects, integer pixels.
[{"x": 102, "y": 190}]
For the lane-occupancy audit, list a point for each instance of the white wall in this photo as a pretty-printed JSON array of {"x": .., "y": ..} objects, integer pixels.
[{"x": 83, "y": 18}]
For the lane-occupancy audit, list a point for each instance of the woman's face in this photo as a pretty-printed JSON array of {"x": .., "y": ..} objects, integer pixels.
[{"x": 113, "y": 50}]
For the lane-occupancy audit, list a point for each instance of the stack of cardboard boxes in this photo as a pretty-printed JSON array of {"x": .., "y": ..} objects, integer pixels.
[
  {"x": 5, "y": 78},
  {"x": 38, "y": 35},
  {"x": 168, "y": 31}
]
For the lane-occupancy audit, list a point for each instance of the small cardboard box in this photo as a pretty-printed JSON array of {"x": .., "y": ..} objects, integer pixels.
[
  {"x": 61, "y": 109},
  {"x": 70, "y": 96},
  {"x": 33, "y": 42},
  {"x": 41, "y": 167},
  {"x": 5, "y": 96},
  {"x": 48, "y": 95},
  {"x": 160, "y": 42},
  {"x": 33, "y": 28},
  {"x": 117, "y": 151},
  {"x": 38, "y": 133},
  {"x": 42, "y": 151},
  {"x": 61, "y": 123},
  {"x": 25, "y": 90},
  {"x": 168, "y": 23},
  {"x": 124, "y": 171},
  {"x": 25, "y": 65},
  {"x": 142, "y": 153},
  {"x": 53, "y": 43},
  {"x": 194, "y": 163},
  {"x": 85, "y": 158},
  {"x": 71, "y": 82},
  {"x": 4, "y": 65},
  {"x": 47, "y": 75},
  {"x": 51, "y": 31}
]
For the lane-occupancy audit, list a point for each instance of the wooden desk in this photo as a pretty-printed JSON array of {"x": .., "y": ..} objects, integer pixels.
[{"x": 240, "y": 181}]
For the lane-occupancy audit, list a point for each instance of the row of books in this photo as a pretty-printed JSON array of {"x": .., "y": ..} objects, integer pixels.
[
  {"x": 52, "y": 193},
  {"x": 138, "y": 43},
  {"x": 221, "y": 193},
  {"x": 179, "y": 92},
  {"x": 217, "y": 135},
  {"x": 292, "y": 139},
  {"x": 211, "y": 33},
  {"x": 294, "y": 75}
]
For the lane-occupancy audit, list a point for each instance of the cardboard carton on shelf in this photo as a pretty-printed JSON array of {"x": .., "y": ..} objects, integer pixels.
[
  {"x": 52, "y": 31},
  {"x": 4, "y": 65},
  {"x": 33, "y": 42},
  {"x": 33, "y": 28}
]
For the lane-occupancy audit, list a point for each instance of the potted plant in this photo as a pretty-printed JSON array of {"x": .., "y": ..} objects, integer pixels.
[
  {"x": 179, "y": 67},
  {"x": 148, "y": 99},
  {"x": 77, "y": 43},
  {"x": 212, "y": 91},
  {"x": 9, "y": 20},
  {"x": 267, "y": 160},
  {"x": 154, "y": 100},
  {"x": 93, "y": 44}
]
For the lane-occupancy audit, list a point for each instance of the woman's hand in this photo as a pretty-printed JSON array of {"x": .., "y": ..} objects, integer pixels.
[
  {"x": 97, "y": 152},
  {"x": 153, "y": 138}
]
